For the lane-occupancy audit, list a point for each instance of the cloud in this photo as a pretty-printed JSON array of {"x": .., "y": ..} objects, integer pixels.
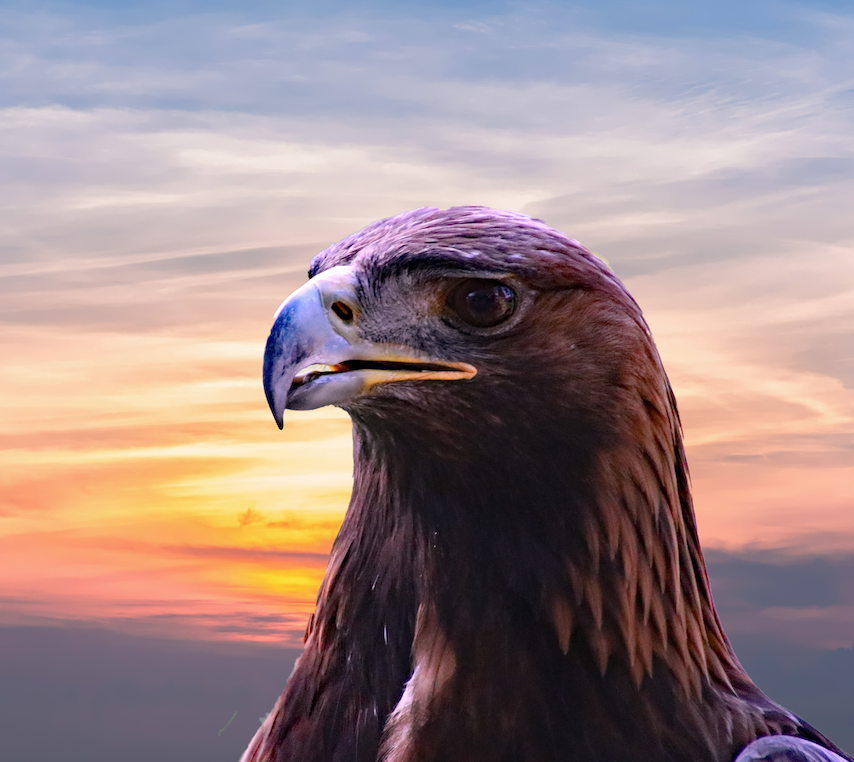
[
  {"x": 165, "y": 178},
  {"x": 248, "y": 517},
  {"x": 784, "y": 596},
  {"x": 109, "y": 695},
  {"x": 815, "y": 684}
]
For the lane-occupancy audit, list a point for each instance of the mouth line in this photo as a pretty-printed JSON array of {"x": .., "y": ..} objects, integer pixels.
[{"x": 313, "y": 372}]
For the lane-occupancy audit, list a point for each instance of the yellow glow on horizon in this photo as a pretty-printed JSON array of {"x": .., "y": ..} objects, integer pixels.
[{"x": 158, "y": 482}]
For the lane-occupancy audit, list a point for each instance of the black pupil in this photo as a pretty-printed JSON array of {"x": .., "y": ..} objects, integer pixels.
[{"x": 482, "y": 303}]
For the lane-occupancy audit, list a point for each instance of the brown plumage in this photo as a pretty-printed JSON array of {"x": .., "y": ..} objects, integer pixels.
[{"x": 518, "y": 577}]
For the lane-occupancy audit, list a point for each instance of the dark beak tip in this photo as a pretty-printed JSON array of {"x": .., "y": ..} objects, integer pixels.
[{"x": 277, "y": 417}]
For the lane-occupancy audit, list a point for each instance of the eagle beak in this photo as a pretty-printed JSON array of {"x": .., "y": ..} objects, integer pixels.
[{"x": 315, "y": 357}]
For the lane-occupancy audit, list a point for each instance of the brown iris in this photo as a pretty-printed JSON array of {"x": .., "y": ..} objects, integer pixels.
[{"x": 482, "y": 303}]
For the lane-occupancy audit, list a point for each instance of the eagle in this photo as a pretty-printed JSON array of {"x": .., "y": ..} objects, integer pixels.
[{"x": 518, "y": 576}]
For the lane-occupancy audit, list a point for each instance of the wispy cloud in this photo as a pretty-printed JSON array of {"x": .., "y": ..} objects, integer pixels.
[{"x": 164, "y": 181}]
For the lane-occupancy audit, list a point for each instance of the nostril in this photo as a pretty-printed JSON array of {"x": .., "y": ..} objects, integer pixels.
[{"x": 344, "y": 311}]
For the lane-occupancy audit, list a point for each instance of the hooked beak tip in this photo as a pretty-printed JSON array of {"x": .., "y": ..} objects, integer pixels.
[{"x": 277, "y": 410}]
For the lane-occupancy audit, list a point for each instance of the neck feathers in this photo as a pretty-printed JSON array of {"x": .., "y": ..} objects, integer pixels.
[
  {"x": 474, "y": 611},
  {"x": 638, "y": 593}
]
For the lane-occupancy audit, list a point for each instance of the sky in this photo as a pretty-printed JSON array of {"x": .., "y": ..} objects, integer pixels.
[{"x": 167, "y": 170}]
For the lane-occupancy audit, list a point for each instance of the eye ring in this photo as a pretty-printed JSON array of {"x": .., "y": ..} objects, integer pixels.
[{"x": 481, "y": 303}]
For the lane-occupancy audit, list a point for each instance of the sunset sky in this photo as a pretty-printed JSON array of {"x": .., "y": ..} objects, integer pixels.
[{"x": 168, "y": 170}]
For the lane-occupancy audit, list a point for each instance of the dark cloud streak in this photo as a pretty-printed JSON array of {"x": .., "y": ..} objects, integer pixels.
[{"x": 81, "y": 695}]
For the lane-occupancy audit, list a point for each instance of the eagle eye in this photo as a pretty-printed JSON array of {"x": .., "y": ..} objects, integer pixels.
[
  {"x": 343, "y": 310},
  {"x": 482, "y": 303}
]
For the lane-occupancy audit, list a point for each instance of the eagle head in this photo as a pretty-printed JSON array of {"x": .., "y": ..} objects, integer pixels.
[{"x": 510, "y": 317}]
